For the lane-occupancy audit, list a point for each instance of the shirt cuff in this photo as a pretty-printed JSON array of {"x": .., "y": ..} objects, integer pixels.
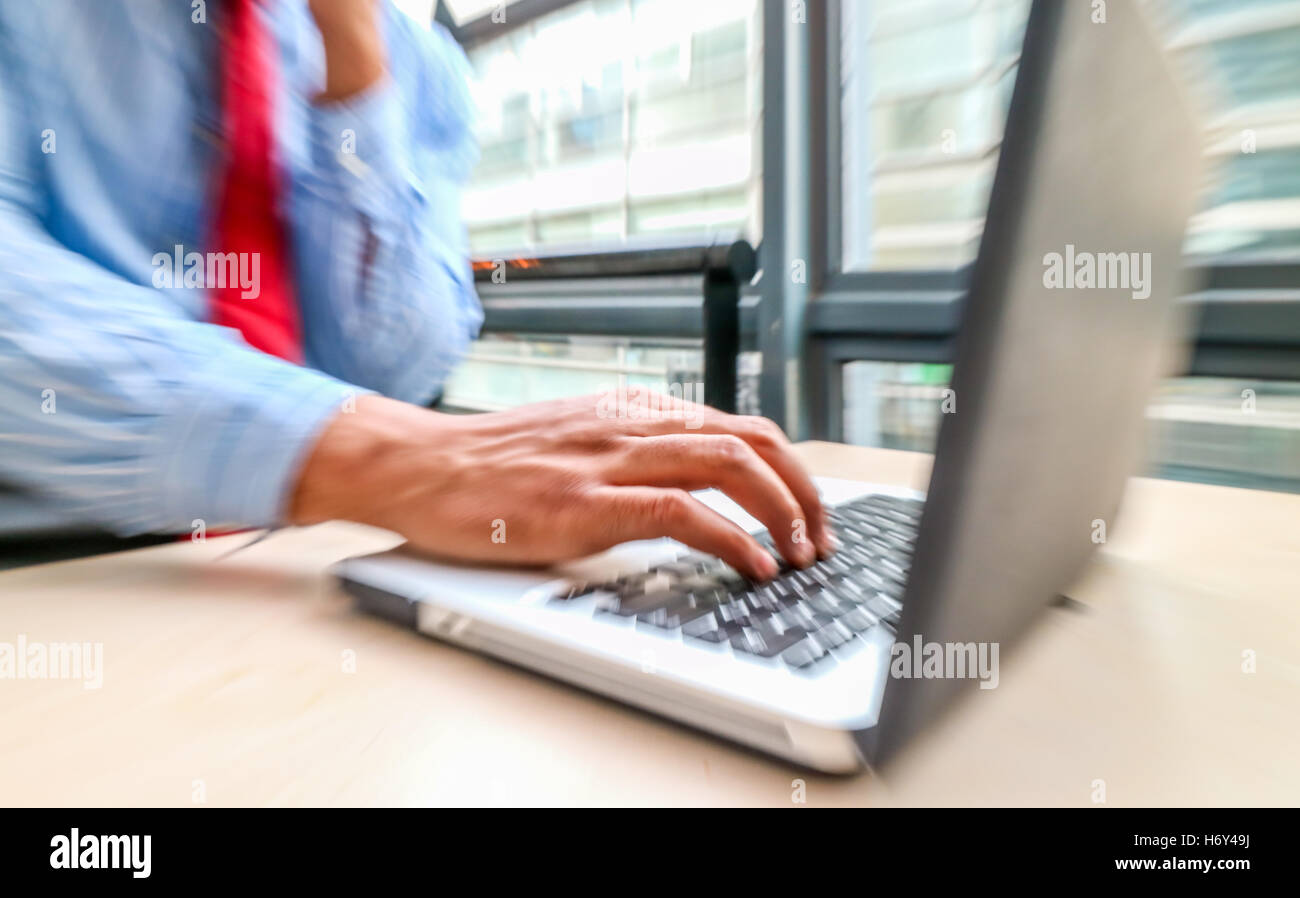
[
  {"x": 232, "y": 454},
  {"x": 356, "y": 146}
]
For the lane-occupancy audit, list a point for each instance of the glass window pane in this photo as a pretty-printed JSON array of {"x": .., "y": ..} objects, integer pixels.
[
  {"x": 610, "y": 119},
  {"x": 924, "y": 88},
  {"x": 1251, "y": 52},
  {"x": 923, "y": 96},
  {"x": 894, "y": 405},
  {"x": 504, "y": 370},
  {"x": 1212, "y": 430},
  {"x": 1230, "y": 432}
]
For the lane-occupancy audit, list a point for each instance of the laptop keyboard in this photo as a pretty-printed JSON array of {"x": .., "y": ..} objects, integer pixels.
[{"x": 807, "y": 618}]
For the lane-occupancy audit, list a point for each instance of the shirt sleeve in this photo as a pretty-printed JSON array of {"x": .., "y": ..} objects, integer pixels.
[
  {"x": 382, "y": 262},
  {"x": 119, "y": 409},
  {"x": 132, "y": 417}
]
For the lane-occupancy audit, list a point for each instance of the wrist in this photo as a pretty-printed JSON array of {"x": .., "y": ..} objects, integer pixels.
[{"x": 363, "y": 459}]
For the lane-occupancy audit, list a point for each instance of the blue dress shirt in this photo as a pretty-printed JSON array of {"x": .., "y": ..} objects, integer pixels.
[{"x": 120, "y": 406}]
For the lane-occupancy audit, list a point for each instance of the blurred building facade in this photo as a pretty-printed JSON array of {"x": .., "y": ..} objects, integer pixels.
[{"x": 605, "y": 121}]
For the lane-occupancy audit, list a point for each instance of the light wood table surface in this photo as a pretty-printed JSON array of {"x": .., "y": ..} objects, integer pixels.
[{"x": 227, "y": 682}]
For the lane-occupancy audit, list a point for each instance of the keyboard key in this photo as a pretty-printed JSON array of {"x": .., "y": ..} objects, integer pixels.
[
  {"x": 851, "y": 592},
  {"x": 884, "y": 606},
  {"x": 870, "y": 578},
  {"x": 764, "y": 600},
  {"x": 858, "y": 620},
  {"x": 891, "y": 569},
  {"x": 804, "y": 579},
  {"x": 709, "y": 628},
  {"x": 858, "y": 588},
  {"x": 736, "y": 611},
  {"x": 765, "y": 642},
  {"x": 833, "y": 635},
  {"x": 673, "y": 617},
  {"x": 709, "y": 595},
  {"x": 730, "y": 578},
  {"x": 631, "y": 606},
  {"x": 804, "y": 654},
  {"x": 803, "y": 616},
  {"x": 821, "y": 574},
  {"x": 827, "y": 603},
  {"x": 676, "y": 569},
  {"x": 696, "y": 581},
  {"x": 781, "y": 589}
]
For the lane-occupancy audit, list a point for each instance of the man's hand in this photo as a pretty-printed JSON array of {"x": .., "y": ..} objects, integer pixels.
[
  {"x": 560, "y": 480},
  {"x": 354, "y": 48}
]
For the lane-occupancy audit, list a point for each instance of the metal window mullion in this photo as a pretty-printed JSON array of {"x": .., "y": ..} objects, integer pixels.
[{"x": 787, "y": 123}]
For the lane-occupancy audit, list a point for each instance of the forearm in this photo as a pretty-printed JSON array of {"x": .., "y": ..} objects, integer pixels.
[
  {"x": 361, "y": 460},
  {"x": 355, "y": 58},
  {"x": 141, "y": 422}
]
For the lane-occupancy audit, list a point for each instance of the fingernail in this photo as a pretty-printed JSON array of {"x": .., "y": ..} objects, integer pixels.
[
  {"x": 805, "y": 553},
  {"x": 766, "y": 566}
]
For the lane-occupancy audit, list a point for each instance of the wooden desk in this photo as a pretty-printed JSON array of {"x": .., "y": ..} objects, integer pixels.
[{"x": 225, "y": 680}]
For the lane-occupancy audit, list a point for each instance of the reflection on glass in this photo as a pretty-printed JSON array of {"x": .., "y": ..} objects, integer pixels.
[
  {"x": 1212, "y": 430},
  {"x": 924, "y": 92},
  {"x": 614, "y": 119},
  {"x": 1251, "y": 53},
  {"x": 503, "y": 371}
]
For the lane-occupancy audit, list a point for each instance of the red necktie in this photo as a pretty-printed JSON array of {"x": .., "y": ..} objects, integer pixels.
[{"x": 248, "y": 220}]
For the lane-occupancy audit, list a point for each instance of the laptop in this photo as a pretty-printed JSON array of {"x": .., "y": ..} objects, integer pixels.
[{"x": 1069, "y": 322}]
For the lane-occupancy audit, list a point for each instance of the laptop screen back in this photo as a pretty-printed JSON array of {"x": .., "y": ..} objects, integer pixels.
[{"x": 1068, "y": 325}]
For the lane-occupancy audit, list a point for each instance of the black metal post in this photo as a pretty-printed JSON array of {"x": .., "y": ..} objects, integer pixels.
[
  {"x": 722, "y": 284},
  {"x": 721, "y": 338}
]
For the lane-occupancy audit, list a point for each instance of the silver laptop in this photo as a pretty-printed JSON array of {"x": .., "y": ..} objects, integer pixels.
[{"x": 1069, "y": 322}]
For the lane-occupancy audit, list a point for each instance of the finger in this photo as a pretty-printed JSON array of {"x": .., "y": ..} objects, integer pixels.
[
  {"x": 772, "y": 446},
  {"x": 660, "y": 415},
  {"x": 647, "y": 512},
  {"x": 728, "y": 463}
]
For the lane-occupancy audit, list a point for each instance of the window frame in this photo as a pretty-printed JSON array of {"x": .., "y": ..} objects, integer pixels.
[{"x": 1247, "y": 307}]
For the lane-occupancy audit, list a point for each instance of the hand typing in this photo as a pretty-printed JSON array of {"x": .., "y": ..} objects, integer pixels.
[{"x": 561, "y": 480}]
